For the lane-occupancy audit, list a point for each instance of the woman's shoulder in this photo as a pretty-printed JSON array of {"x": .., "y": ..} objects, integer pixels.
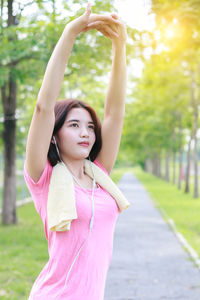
[{"x": 98, "y": 164}]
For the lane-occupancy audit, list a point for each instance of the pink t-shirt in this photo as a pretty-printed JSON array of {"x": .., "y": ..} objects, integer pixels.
[{"x": 88, "y": 275}]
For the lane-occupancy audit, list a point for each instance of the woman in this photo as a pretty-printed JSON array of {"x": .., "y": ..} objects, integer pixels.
[{"x": 69, "y": 131}]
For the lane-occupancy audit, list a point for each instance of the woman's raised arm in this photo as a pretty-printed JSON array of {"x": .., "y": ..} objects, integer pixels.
[
  {"x": 42, "y": 124},
  {"x": 43, "y": 120},
  {"x": 114, "y": 108}
]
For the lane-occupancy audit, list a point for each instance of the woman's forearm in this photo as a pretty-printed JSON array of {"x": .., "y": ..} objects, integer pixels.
[
  {"x": 54, "y": 73},
  {"x": 116, "y": 92}
]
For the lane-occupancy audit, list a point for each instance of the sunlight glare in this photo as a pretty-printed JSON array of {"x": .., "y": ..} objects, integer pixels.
[
  {"x": 136, "y": 13},
  {"x": 169, "y": 33},
  {"x": 157, "y": 35}
]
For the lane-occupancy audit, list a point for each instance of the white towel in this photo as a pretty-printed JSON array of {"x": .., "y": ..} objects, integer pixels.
[{"x": 61, "y": 208}]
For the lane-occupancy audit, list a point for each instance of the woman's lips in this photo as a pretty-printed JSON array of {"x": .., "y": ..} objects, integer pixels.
[{"x": 84, "y": 144}]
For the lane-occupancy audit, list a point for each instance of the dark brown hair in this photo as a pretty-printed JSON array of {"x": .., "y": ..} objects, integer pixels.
[{"x": 61, "y": 110}]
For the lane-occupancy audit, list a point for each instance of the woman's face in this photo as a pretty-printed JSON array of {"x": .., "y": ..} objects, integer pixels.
[{"x": 76, "y": 137}]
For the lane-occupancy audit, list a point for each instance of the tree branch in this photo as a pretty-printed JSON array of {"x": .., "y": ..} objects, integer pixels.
[{"x": 15, "y": 62}]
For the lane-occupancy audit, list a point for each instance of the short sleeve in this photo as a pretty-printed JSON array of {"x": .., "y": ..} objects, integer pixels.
[{"x": 39, "y": 189}]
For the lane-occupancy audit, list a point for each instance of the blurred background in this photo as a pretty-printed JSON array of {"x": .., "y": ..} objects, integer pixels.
[{"x": 161, "y": 125}]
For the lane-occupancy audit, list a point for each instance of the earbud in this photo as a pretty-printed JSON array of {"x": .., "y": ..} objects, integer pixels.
[
  {"x": 54, "y": 139},
  {"x": 56, "y": 147}
]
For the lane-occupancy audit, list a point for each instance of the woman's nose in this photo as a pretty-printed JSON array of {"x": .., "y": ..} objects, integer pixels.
[{"x": 84, "y": 131}]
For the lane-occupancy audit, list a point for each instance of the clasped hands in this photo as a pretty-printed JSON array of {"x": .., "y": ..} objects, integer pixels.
[{"x": 109, "y": 25}]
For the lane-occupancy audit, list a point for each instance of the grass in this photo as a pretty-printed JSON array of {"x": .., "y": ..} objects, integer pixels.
[
  {"x": 180, "y": 207},
  {"x": 23, "y": 253}
]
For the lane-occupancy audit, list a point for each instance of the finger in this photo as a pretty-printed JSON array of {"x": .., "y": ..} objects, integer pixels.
[
  {"x": 90, "y": 26},
  {"x": 111, "y": 32},
  {"x": 114, "y": 27},
  {"x": 111, "y": 19},
  {"x": 95, "y": 24},
  {"x": 115, "y": 16},
  {"x": 104, "y": 32},
  {"x": 105, "y": 29},
  {"x": 99, "y": 25},
  {"x": 88, "y": 9},
  {"x": 107, "y": 19},
  {"x": 102, "y": 24}
]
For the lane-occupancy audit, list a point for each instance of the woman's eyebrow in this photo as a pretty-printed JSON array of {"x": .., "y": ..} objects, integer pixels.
[
  {"x": 89, "y": 122},
  {"x": 73, "y": 121}
]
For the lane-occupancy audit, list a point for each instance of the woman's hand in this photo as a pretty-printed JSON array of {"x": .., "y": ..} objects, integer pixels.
[
  {"x": 77, "y": 25},
  {"x": 88, "y": 21},
  {"x": 120, "y": 29},
  {"x": 106, "y": 24},
  {"x": 110, "y": 26}
]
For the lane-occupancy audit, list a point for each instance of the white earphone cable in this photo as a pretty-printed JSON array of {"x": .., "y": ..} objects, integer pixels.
[{"x": 91, "y": 220}]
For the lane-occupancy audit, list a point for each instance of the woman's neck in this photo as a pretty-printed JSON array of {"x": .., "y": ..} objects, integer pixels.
[{"x": 76, "y": 167}]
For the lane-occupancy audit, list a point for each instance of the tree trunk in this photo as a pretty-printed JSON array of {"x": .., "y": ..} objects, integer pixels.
[
  {"x": 152, "y": 163},
  {"x": 147, "y": 165},
  {"x": 195, "y": 127},
  {"x": 187, "y": 175},
  {"x": 9, "y": 138},
  {"x": 156, "y": 165},
  {"x": 159, "y": 166},
  {"x": 196, "y": 184},
  {"x": 174, "y": 168},
  {"x": 167, "y": 167},
  {"x": 9, "y": 95},
  {"x": 180, "y": 176}
]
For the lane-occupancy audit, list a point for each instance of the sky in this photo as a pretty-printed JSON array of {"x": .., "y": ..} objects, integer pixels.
[{"x": 135, "y": 13}]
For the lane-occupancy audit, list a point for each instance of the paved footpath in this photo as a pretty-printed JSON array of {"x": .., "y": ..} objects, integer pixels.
[{"x": 148, "y": 261}]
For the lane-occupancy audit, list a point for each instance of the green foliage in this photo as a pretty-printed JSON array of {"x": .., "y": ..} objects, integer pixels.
[
  {"x": 162, "y": 103},
  {"x": 27, "y": 47}
]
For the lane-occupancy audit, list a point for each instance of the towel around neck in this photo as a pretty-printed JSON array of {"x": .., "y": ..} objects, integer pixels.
[{"x": 61, "y": 208}]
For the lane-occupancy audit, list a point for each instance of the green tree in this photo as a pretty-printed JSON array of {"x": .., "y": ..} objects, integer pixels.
[{"x": 26, "y": 45}]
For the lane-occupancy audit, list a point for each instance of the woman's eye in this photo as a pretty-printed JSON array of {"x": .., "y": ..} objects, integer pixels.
[
  {"x": 91, "y": 127},
  {"x": 74, "y": 124}
]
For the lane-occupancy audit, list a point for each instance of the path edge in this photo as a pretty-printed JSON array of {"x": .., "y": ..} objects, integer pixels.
[{"x": 193, "y": 254}]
